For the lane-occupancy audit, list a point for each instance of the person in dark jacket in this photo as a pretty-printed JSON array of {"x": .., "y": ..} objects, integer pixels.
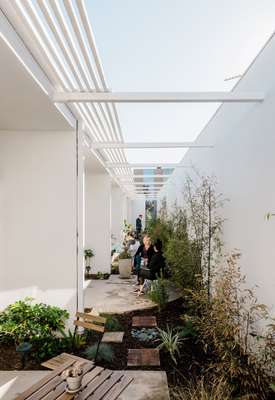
[
  {"x": 139, "y": 225},
  {"x": 157, "y": 263},
  {"x": 143, "y": 256},
  {"x": 156, "y": 267}
]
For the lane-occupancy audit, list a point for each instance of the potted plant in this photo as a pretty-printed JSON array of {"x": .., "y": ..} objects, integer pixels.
[
  {"x": 88, "y": 254},
  {"x": 125, "y": 264},
  {"x": 73, "y": 376}
]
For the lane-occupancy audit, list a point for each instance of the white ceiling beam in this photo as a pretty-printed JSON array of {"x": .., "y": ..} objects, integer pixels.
[
  {"x": 144, "y": 185},
  {"x": 145, "y": 165},
  {"x": 140, "y": 180},
  {"x": 145, "y": 176},
  {"x": 158, "y": 97},
  {"x": 146, "y": 145}
]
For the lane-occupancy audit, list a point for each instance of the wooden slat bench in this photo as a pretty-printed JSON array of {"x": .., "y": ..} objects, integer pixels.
[{"x": 97, "y": 384}]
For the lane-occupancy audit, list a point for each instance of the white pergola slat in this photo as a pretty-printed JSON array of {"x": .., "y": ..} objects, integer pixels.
[
  {"x": 157, "y": 97},
  {"x": 146, "y": 165},
  {"x": 147, "y": 145}
]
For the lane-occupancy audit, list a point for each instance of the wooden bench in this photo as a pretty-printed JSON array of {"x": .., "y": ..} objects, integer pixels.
[{"x": 97, "y": 384}]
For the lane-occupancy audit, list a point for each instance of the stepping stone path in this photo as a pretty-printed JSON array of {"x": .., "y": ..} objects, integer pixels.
[
  {"x": 143, "y": 357},
  {"x": 113, "y": 337},
  {"x": 144, "y": 322}
]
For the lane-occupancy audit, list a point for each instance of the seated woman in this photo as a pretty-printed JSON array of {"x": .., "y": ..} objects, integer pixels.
[
  {"x": 157, "y": 263},
  {"x": 155, "y": 266}
]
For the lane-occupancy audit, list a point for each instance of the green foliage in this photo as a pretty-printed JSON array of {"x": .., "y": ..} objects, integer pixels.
[
  {"x": 170, "y": 342},
  {"x": 105, "y": 352},
  {"x": 160, "y": 229},
  {"x": 88, "y": 253},
  {"x": 226, "y": 326},
  {"x": 159, "y": 292},
  {"x": 124, "y": 255},
  {"x": 112, "y": 323},
  {"x": 206, "y": 388},
  {"x": 38, "y": 324},
  {"x": 188, "y": 330},
  {"x": 73, "y": 342},
  {"x": 184, "y": 262}
]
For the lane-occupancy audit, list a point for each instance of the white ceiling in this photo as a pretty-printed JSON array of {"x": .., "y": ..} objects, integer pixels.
[{"x": 24, "y": 106}]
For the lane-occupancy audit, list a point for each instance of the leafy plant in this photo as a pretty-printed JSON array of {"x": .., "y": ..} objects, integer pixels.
[
  {"x": 74, "y": 341},
  {"x": 105, "y": 352},
  {"x": 37, "y": 324},
  {"x": 188, "y": 330},
  {"x": 170, "y": 342},
  {"x": 112, "y": 323},
  {"x": 204, "y": 389},
  {"x": 159, "y": 292},
  {"x": 124, "y": 254},
  {"x": 88, "y": 253},
  {"x": 227, "y": 326},
  {"x": 74, "y": 371},
  {"x": 145, "y": 334}
]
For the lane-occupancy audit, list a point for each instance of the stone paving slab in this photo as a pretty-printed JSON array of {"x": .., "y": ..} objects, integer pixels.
[
  {"x": 147, "y": 385},
  {"x": 14, "y": 382},
  {"x": 116, "y": 296},
  {"x": 145, "y": 321},
  {"x": 113, "y": 337},
  {"x": 143, "y": 358}
]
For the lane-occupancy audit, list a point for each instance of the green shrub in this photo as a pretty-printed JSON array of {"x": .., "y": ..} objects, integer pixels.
[
  {"x": 112, "y": 323},
  {"x": 73, "y": 341},
  {"x": 160, "y": 229},
  {"x": 37, "y": 324},
  {"x": 105, "y": 352},
  {"x": 159, "y": 292},
  {"x": 183, "y": 262}
]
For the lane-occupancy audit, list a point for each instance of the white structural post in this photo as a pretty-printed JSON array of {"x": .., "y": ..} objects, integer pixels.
[
  {"x": 117, "y": 212},
  {"x": 98, "y": 219},
  {"x": 80, "y": 223}
]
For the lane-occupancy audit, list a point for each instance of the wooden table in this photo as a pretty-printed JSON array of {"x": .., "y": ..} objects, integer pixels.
[{"x": 98, "y": 384}]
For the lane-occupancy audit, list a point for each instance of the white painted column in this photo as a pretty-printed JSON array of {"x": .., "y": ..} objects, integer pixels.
[
  {"x": 117, "y": 213},
  {"x": 80, "y": 219},
  {"x": 98, "y": 219}
]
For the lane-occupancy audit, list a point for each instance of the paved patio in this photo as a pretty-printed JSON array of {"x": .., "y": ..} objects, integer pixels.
[
  {"x": 147, "y": 385},
  {"x": 116, "y": 296}
]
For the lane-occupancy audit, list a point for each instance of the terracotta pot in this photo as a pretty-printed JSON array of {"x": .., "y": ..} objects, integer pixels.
[{"x": 125, "y": 268}]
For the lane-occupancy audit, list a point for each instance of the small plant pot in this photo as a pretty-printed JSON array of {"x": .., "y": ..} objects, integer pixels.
[
  {"x": 125, "y": 268},
  {"x": 74, "y": 383}
]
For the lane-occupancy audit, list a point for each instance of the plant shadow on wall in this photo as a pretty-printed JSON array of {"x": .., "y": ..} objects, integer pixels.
[{"x": 236, "y": 334}]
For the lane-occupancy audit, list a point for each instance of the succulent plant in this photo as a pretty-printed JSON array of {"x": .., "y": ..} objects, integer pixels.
[{"x": 145, "y": 334}]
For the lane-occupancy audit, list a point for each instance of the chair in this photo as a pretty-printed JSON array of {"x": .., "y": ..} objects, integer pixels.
[{"x": 93, "y": 323}]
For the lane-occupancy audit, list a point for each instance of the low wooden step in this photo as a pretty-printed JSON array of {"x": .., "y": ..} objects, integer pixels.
[
  {"x": 59, "y": 360},
  {"x": 145, "y": 321},
  {"x": 143, "y": 358},
  {"x": 113, "y": 337}
]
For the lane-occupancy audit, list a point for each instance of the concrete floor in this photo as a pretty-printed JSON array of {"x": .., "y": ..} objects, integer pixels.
[
  {"x": 14, "y": 382},
  {"x": 147, "y": 385},
  {"x": 116, "y": 296}
]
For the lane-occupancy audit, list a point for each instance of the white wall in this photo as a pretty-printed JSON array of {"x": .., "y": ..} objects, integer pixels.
[
  {"x": 98, "y": 219},
  {"x": 38, "y": 217},
  {"x": 243, "y": 161}
]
